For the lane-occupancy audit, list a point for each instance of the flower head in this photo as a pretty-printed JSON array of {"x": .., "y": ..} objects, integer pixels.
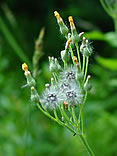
[
  {"x": 50, "y": 98},
  {"x": 73, "y": 95},
  {"x": 68, "y": 74}
]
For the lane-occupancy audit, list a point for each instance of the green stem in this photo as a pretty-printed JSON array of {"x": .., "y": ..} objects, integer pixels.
[
  {"x": 66, "y": 117},
  {"x": 81, "y": 113},
  {"x": 74, "y": 116},
  {"x": 61, "y": 123},
  {"x": 83, "y": 64},
  {"x": 72, "y": 54},
  {"x": 86, "y": 69},
  {"x": 46, "y": 113},
  {"x": 55, "y": 119},
  {"x": 78, "y": 55},
  {"x": 85, "y": 143},
  {"x": 55, "y": 77}
]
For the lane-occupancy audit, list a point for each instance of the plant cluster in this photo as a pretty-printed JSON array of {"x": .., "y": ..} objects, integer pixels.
[{"x": 64, "y": 97}]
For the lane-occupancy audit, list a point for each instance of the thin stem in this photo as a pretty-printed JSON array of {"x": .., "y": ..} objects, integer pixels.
[
  {"x": 61, "y": 123},
  {"x": 85, "y": 143},
  {"x": 82, "y": 121},
  {"x": 74, "y": 116},
  {"x": 86, "y": 69},
  {"x": 81, "y": 114},
  {"x": 78, "y": 55},
  {"x": 55, "y": 78},
  {"x": 83, "y": 63},
  {"x": 46, "y": 113},
  {"x": 55, "y": 119},
  {"x": 72, "y": 54},
  {"x": 66, "y": 117}
]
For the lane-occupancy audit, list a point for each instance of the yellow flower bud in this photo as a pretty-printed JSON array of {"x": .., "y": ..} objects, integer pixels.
[
  {"x": 58, "y": 17},
  {"x": 24, "y": 67},
  {"x": 71, "y": 22},
  {"x": 74, "y": 58}
]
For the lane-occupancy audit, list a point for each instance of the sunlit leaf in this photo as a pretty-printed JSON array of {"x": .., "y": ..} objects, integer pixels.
[
  {"x": 109, "y": 63},
  {"x": 95, "y": 35}
]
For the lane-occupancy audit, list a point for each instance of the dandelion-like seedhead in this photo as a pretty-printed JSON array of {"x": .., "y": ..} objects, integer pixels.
[
  {"x": 64, "y": 85},
  {"x": 68, "y": 74},
  {"x": 72, "y": 95},
  {"x": 50, "y": 98}
]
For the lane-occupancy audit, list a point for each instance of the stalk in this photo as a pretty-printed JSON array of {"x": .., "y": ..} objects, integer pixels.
[
  {"x": 86, "y": 69},
  {"x": 86, "y": 145},
  {"x": 78, "y": 53}
]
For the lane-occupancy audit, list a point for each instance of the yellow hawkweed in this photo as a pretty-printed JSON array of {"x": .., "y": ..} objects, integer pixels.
[
  {"x": 74, "y": 58},
  {"x": 70, "y": 18},
  {"x": 57, "y": 16},
  {"x": 24, "y": 67}
]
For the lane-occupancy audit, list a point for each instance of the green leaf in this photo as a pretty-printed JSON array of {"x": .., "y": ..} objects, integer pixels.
[
  {"x": 111, "y": 38},
  {"x": 95, "y": 35},
  {"x": 109, "y": 63}
]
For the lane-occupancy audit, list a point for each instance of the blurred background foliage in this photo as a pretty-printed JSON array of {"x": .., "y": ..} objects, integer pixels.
[{"x": 25, "y": 131}]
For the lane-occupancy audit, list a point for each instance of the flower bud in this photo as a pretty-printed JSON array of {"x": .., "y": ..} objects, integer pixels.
[
  {"x": 85, "y": 48},
  {"x": 65, "y": 55},
  {"x": 54, "y": 65},
  {"x": 34, "y": 95},
  {"x": 57, "y": 64},
  {"x": 87, "y": 85},
  {"x": 30, "y": 81},
  {"x": 63, "y": 28},
  {"x": 75, "y": 36}
]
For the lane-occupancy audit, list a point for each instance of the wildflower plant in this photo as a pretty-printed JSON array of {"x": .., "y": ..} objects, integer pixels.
[{"x": 67, "y": 92}]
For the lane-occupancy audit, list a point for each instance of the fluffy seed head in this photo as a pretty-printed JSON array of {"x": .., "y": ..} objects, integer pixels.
[
  {"x": 68, "y": 74},
  {"x": 50, "y": 98},
  {"x": 73, "y": 96}
]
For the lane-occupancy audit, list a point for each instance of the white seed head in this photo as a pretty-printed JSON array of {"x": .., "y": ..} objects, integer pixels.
[
  {"x": 68, "y": 74},
  {"x": 50, "y": 98}
]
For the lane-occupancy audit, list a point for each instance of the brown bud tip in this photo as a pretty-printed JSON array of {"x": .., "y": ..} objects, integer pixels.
[
  {"x": 74, "y": 58},
  {"x": 68, "y": 43},
  {"x": 70, "y": 19},
  {"x": 66, "y": 105}
]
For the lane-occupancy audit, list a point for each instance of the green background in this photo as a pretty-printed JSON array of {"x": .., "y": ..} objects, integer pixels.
[{"x": 24, "y": 130}]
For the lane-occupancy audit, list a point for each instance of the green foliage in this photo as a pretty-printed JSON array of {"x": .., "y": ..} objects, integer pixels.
[{"x": 25, "y": 131}]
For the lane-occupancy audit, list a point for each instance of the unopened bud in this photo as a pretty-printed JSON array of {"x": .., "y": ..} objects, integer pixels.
[
  {"x": 63, "y": 28},
  {"x": 34, "y": 95},
  {"x": 85, "y": 48},
  {"x": 30, "y": 80},
  {"x": 75, "y": 36},
  {"x": 87, "y": 85}
]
